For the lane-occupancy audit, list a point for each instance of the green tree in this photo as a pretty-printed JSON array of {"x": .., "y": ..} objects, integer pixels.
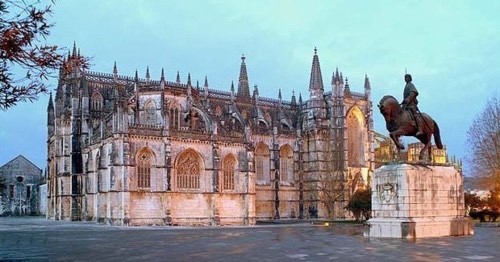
[
  {"x": 26, "y": 60},
  {"x": 360, "y": 204}
]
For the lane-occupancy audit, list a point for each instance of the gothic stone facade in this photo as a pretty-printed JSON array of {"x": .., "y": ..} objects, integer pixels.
[
  {"x": 19, "y": 184},
  {"x": 130, "y": 150}
]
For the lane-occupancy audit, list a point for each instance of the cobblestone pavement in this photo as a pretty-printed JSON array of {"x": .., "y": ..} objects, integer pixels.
[{"x": 39, "y": 239}]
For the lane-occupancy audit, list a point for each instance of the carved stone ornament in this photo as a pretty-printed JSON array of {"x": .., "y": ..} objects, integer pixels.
[{"x": 386, "y": 192}]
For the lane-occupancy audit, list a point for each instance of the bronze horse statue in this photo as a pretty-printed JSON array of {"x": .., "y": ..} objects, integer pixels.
[{"x": 399, "y": 122}]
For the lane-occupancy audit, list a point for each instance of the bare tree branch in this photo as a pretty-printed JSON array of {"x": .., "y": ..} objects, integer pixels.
[
  {"x": 26, "y": 61},
  {"x": 483, "y": 143}
]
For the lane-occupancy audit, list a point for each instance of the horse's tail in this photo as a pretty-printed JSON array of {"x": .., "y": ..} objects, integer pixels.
[{"x": 437, "y": 137}]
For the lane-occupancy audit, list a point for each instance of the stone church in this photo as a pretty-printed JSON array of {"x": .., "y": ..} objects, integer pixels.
[
  {"x": 21, "y": 186},
  {"x": 137, "y": 151}
]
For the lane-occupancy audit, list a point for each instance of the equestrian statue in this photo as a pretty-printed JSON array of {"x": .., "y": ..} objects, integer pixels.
[{"x": 407, "y": 120}]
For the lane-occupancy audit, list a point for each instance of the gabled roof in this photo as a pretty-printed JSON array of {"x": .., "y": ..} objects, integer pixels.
[{"x": 20, "y": 158}]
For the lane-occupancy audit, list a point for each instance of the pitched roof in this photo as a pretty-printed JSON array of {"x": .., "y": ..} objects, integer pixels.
[{"x": 20, "y": 158}]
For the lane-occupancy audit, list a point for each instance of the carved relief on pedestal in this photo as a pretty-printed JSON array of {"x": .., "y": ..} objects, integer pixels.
[{"x": 387, "y": 188}]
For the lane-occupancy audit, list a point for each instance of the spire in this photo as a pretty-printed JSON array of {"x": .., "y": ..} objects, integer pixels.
[
  {"x": 197, "y": 84},
  {"x": 61, "y": 67},
  {"x": 205, "y": 87},
  {"x": 147, "y": 74},
  {"x": 51, "y": 103},
  {"x": 178, "y": 78},
  {"x": 316, "y": 81},
  {"x": 189, "y": 79},
  {"x": 78, "y": 53},
  {"x": 115, "y": 72},
  {"x": 316, "y": 102},
  {"x": 50, "y": 116},
  {"x": 232, "y": 91},
  {"x": 293, "y": 102},
  {"x": 368, "y": 87},
  {"x": 255, "y": 93},
  {"x": 300, "y": 98},
  {"x": 367, "y": 82},
  {"x": 256, "y": 89},
  {"x": 243, "y": 89},
  {"x": 279, "y": 98},
  {"x": 136, "y": 77},
  {"x": 346, "y": 88},
  {"x": 162, "y": 79},
  {"x": 74, "y": 49},
  {"x": 206, "y": 82}
]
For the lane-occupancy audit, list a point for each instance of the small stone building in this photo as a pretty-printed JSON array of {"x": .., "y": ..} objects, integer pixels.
[{"x": 19, "y": 183}]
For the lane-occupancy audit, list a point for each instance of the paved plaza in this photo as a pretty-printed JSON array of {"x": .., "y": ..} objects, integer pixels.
[{"x": 38, "y": 239}]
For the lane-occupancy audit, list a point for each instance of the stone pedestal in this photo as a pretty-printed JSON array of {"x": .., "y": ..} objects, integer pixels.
[{"x": 416, "y": 201}]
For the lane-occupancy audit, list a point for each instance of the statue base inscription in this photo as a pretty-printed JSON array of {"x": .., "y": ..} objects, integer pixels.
[{"x": 415, "y": 201}]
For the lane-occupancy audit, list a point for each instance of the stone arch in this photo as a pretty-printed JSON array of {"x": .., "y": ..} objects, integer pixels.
[
  {"x": 228, "y": 170},
  {"x": 174, "y": 113},
  {"x": 286, "y": 163},
  {"x": 96, "y": 101},
  {"x": 144, "y": 163},
  {"x": 189, "y": 167},
  {"x": 150, "y": 112},
  {"x": 262, "y": 168},
  {"x": 356, "y": 137}
]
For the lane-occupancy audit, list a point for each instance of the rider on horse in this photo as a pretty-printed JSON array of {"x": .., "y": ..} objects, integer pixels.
[{"x": 410, "y": 102}]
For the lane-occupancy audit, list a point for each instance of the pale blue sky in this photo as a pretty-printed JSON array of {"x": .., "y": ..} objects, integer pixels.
[{"x": 450, "y": 47}]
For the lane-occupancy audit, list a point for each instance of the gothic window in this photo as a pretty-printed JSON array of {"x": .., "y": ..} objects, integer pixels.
[
  {"x": 188, "y": 170},
  {"x": 143, "y": 169},
  {"x": 150, "y": 109},
  {"x": 96, "y": 102},
  {"x": 355, "y": 138},
  {"x": 175, "y": 117},
  {"x": 262, "y": 163},
  {"x": 286, "y": 164},
  {"x": 228, "y": 167}
]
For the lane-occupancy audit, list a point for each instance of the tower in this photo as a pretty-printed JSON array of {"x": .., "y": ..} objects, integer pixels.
[{"x": 243, "y": 89}]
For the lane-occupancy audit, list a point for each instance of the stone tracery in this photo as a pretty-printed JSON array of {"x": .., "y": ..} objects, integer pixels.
[{"x": 188, "y": 170}]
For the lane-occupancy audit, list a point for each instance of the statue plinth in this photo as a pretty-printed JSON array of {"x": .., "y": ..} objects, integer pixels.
[{"x": 416, "y": 201}]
